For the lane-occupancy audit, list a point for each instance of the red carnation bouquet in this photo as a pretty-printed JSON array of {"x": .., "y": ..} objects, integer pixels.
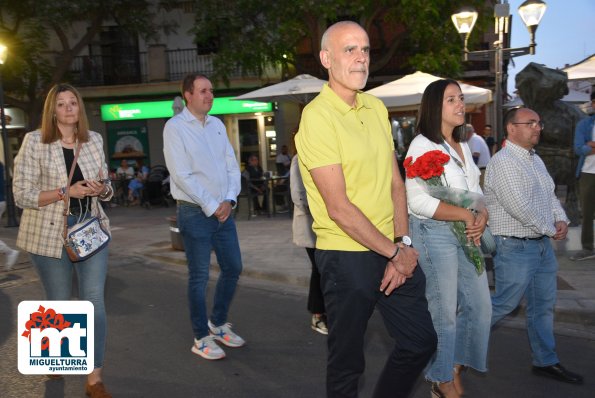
[
  {"x": 428, "y": 170},
  {"x": 428, "y": 167}
]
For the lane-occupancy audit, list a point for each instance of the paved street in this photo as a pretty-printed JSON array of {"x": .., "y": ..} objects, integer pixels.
[{"x": 149, "y": 340}]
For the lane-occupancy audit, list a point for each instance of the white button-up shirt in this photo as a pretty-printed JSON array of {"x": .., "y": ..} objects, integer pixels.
[
  {"x": 419, "y": 202},
  {"x": 520, "y": 194},
  {"x": 201, "y": 161}
]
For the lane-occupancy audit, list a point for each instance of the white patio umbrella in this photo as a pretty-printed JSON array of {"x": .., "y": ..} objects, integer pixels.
[
  {"x": 405, "y": 93},
  {"x": 301, "y": 89},
  {"x": 573, "y": 96},
  {"x": 584, "y": 70}
]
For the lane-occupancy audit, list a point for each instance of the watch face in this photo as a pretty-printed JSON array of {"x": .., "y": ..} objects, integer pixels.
[{"x": 406, "y": 240}]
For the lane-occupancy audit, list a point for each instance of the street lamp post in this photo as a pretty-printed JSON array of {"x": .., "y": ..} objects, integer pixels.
[
  {"x": 531, "y": 12},
  {"x": 10, "y": 208}
]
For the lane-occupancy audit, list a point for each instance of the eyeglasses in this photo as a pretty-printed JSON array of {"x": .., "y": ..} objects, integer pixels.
[{"x": 533, "y": 124}]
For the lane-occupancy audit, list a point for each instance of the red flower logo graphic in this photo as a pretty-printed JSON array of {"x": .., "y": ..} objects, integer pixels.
[{"x": 43, "y": 319}]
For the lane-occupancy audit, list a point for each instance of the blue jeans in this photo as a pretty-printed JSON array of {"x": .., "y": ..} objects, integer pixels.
[
  {"x": 528, "y": 268},
  {"x": 56, "y": 277},
  {"x": 201, "y": 234},
  {"x": 458, "y": 299}
]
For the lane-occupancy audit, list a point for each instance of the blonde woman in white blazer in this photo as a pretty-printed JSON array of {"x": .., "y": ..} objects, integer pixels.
[
  {"x": 40, "y": 178},
  {"x": 303, "y": 236}
]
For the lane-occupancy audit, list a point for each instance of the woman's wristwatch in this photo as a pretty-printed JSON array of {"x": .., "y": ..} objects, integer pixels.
[
  {"x": 105, "y": 192},
  {"x": 61, "y": 193}
]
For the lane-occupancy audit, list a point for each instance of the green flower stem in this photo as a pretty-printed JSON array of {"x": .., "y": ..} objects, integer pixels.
[
  {"x": 472, "y": 252},
  {"x": 458, "y": 228}
]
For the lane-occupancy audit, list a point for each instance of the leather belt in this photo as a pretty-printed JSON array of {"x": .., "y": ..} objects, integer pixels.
[
  {"x": 525, "y": 238},
  {"x": 185, "y": 203}
]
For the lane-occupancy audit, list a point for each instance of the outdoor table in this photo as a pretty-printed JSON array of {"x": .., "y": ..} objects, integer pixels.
[
  {"x": 120, "y": 184},
  {"x": 286, "y": 194}
]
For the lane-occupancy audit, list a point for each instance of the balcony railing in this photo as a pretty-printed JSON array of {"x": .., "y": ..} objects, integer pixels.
[
  {"x": 181, "y": 62},
  {"x": 106, "y": 71}
]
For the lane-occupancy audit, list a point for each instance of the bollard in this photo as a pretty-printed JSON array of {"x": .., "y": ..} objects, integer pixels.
[{"x": 177, "y": 243}]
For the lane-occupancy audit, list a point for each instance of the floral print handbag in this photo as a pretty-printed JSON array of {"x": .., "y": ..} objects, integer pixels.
[
  {"x": 88, "y": 236},
  {"x": 85, "y": 239}
]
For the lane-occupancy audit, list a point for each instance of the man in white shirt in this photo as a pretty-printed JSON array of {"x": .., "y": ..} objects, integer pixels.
[
  {"x": 205, "y": 181},
  {"x": 524, "y": 214},
  {"x": 479, "y": 150}
]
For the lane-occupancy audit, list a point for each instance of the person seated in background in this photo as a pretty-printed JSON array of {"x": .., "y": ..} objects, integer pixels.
[
  {"x": 138, "y": 184},
  {"x": 125, "y": 170},
  {"x": 142, "y": 170},
  {"x": 258, "y": 186},
  {"x": 283, "y": 161},
  {"x": 135, "y": 188}
]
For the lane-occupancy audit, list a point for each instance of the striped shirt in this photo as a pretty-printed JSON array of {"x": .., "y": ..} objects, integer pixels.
[{"x": 520, "y": 194}]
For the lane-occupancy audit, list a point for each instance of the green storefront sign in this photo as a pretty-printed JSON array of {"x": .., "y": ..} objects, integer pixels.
[
  {"x": 130, "y": 143},
  {"x": 163, "y": 109}
]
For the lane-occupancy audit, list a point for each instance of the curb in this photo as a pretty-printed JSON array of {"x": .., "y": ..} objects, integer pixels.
[
  {"x": 167, "y": 255},
  {"x": 163, "y": 253}
]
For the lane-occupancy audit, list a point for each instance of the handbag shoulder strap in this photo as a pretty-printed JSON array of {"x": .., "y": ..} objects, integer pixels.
[
  {"x": 67, "y": 193},
  {"x": 457, "y": 161}
]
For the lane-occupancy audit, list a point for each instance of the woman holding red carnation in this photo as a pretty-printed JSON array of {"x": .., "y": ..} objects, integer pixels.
[{"x": 458, "y": 298}]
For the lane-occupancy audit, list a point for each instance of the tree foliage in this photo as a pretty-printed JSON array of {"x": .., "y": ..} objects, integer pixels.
[
  {"x": 247, "y": 35},
  {"x": 27, "y": 25}
]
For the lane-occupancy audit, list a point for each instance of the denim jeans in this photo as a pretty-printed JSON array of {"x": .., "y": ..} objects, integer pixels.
[
  {"x": 458, "y": 299},
  {"x": 350, "y": 283},
  {"x": 201, "y": 234},
  {"x": 56, "y": 277},
  {"x": 528, "y": 268},
  {"x": 586, "y": 185}
]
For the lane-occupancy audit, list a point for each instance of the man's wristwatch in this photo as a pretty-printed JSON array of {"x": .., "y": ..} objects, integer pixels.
[
  {"x": 232, "y": 203},
  {"x": 403, "y": 239}
]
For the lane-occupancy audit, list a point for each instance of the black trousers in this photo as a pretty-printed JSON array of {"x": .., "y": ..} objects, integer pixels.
[
  {"x": 315, "y": 299},
  {"x": 351, "y": 288}
]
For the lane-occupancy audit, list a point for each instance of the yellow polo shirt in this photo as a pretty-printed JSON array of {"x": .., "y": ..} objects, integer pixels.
[{"x": 360, "y": 140}]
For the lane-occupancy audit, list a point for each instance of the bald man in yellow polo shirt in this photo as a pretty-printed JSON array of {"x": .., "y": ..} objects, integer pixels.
[{"x": 357, "y": 198}]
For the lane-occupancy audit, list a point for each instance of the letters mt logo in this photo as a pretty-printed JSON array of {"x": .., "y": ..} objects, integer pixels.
[{"x": 56, "y": 337}]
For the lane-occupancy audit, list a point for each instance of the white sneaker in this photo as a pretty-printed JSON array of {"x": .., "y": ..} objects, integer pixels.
[
  {"x": 318, "y": 324},
  {"x": 11, "y": 259},
  {"x": 583, "y": 255},
  {"x": 224, "y": 334},
  {"x": 207, "y": 348}
]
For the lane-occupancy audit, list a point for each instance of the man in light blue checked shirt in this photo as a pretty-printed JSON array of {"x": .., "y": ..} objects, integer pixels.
[{"x": 524, "y": 214}]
